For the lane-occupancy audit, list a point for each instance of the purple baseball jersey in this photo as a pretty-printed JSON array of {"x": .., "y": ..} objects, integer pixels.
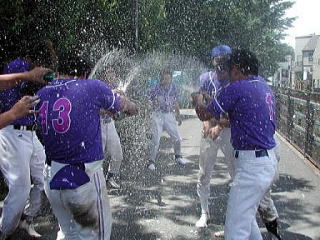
[
  {"x": 163, "y": 99},
  {"x": 69, "y": 118},
  {"x": 9, "y": 97},
  {"x": 209, "y": 83},
  {"x": 250, "y": 105}
]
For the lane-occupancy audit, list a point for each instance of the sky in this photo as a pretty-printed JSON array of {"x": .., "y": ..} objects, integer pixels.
[{"x": 308, "y": 21}]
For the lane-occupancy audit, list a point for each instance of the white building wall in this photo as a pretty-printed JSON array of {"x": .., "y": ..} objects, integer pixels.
[{"x": 316, "y": 65}]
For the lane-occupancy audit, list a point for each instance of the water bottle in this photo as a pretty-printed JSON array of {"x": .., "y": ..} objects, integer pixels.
[{"x": 49, "y": 77}]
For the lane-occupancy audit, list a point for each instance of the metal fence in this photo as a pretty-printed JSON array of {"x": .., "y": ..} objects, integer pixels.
[{"x": 298, "y": 116}]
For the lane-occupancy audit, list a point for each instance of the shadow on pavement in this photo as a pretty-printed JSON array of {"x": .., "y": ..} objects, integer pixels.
[{"x": 163, "y": 204}]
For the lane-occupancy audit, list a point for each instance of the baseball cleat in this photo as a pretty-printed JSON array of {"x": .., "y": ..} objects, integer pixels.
[
  {"x": 272, "y": 227},
  {"x": 181, "y": 161},
  {"x": 2, "y": 236},
  {"x": 29, "y": 228},
  {"x": 111, "y": 181},
  {"x": 202, "y": 222},
  {"x": 152, "y": 167},
  {"x": 219, "y": 234}
]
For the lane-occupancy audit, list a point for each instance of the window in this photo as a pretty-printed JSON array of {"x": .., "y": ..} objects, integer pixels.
[{"x": 285, "y": 73}]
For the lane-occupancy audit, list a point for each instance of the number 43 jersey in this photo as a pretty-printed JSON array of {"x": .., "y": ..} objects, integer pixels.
[{"x": 69, "y": 118}]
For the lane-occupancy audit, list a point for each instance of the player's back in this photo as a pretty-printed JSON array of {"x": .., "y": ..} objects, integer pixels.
[
  {"x": 254, "y": 112},
  {"x": 69, "y": 119}
]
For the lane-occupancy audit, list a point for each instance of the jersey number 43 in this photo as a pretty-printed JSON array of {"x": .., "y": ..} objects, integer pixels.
[{"x": 62, "y": 123}]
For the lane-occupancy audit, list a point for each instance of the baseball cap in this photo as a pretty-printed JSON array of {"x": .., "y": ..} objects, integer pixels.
[
  {"x": 17, "y": 66},
  {"x": 220, "y": 50}
]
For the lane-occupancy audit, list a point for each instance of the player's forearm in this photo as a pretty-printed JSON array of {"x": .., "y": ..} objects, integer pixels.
[
  {"x": 202, "y": 112},
  {"x": 127, "y": 106},
  {"x": 6, "y": 118},
  {"x": 11, "y": 80},
  {"x": 224, "y": 122},
  {"x": 35, "y": 75},
  {"x": 206, "y": 124}
]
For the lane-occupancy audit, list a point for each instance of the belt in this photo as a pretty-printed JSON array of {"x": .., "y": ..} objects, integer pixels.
[
  {"x": 22, "y": 127},
  {"x": 81, "y": 165},
  {"x": 166, "y": 111},
  {"x": 258, "y": 153}
]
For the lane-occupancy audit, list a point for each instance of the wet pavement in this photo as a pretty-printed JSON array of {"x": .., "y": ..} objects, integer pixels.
[{"x": 163, "y": 205}]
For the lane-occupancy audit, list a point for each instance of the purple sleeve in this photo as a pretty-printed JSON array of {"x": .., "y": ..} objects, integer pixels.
[
  {"x": 106, "y": 99},
  {"x": 203, "y": 88},
  {"x": 224, "y": 101},
  {"x": 201, "y": 82}
]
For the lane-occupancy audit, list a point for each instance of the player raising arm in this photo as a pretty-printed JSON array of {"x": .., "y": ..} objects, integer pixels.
[
  {"x": 35, "y": 75},
  {"x": 70, "y": 127},
  {"x": 22, "y": 107}
]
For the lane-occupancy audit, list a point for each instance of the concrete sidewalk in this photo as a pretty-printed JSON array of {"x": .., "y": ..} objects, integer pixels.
[{"x": 163, "y": 205}]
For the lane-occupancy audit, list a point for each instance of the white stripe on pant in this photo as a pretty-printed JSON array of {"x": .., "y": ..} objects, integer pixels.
[
  {"x": 253, "y": 177},
  {"x": 83, "y": 213}
]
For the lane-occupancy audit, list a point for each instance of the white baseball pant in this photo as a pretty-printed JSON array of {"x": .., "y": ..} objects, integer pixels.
[
  {"x": 267, "y": 209},
  {"x": 160, "y": 122},
  {"x": 21, "y": 155},
  {"x": 207, "y": 159},
  {"x": 111, "y": 144},
  {"x": 253, "y": 177},
  {"x": 83, "y": 213},
  {"x": 208, "y": 155}
]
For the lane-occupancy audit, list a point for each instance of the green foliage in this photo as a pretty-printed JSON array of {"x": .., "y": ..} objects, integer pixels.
[{"x": 190, "y": 27}]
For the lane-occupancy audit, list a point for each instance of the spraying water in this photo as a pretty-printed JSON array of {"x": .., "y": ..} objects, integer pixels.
[{"x": 135, "y": 76}]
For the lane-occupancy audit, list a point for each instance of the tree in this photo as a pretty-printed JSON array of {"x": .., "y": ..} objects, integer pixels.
[
  {"x": 196, "y": 26},
  {"x": 190, "y": 27}
]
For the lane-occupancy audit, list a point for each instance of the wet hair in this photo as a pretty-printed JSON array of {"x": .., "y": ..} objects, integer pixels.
[
  {"x": 38, "y": 52},
  {"x": 246, "y": 61},
  {"x": 73, "y": 63}
]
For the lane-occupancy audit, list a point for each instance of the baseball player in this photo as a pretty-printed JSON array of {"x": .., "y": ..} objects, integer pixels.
[
  {"x": 23, "y": 106},
  {"x": 22, "y": 155},
  {"x": 217, "y": 137},
  {"x": 164, "y": 116},
  {"x": 70, "y": 126},
  {"x": 249, "y": 103},
  {"x": 110, "y": 138},
  {"x": 209, "y": 145}
]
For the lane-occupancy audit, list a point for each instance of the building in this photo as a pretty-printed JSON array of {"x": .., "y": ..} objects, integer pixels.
[
  {"x": 307, "y": 62},
  {"x": 283, "y": 77}
]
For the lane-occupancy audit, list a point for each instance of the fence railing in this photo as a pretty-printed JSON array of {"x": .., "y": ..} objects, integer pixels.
[{"x": 298, "y": 117}]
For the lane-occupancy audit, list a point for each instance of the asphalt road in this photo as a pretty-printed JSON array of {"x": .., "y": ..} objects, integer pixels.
[{"x": 163, "y": 205}]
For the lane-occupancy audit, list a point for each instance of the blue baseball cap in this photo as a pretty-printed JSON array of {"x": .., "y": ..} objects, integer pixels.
[{"x": 220, "y": 50}]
